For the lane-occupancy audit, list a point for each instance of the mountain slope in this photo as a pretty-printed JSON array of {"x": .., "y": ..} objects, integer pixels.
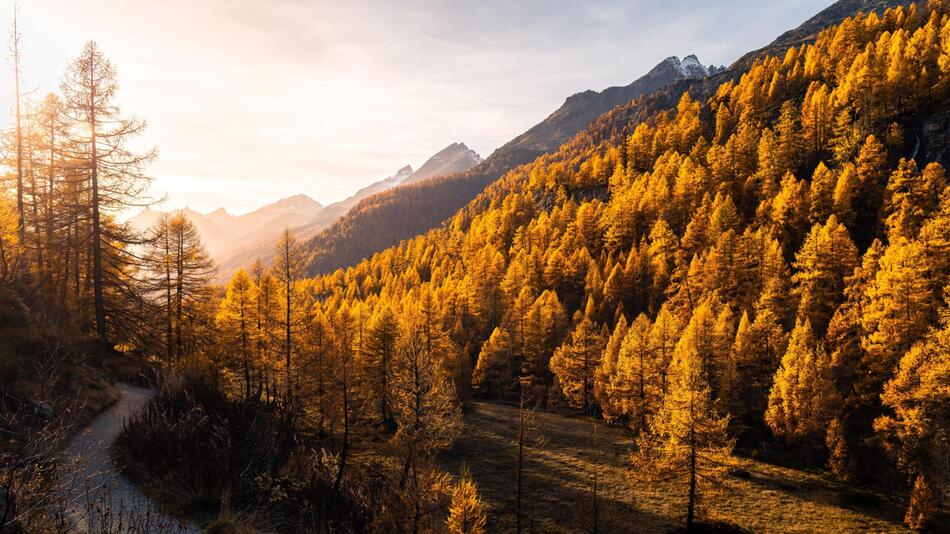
[
  {"x": 222, "y": 232},
  {"x": 808, "y": 30},
  {"x": 381, "y": 221},
  {"x": 454, "y": 158},
  {"x": 731, "y": 209},
  {"x": 580, "y": 109}
]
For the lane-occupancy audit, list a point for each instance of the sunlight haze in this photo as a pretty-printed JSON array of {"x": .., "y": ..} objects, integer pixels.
[{"x": 249, "y": 102}]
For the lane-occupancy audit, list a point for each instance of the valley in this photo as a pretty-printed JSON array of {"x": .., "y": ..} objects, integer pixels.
[{"x": 716, "y": 299}]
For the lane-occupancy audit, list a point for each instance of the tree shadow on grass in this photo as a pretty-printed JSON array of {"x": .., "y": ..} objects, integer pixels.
[
  {"x": 858, "y": 498},
  {"x": 559, "y": 474}
]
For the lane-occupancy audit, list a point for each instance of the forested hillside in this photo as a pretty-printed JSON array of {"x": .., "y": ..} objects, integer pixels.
[{"x": 774, "y": 256}]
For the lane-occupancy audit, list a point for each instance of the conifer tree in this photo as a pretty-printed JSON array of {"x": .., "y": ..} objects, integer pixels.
[
  {"x": 935, "y": 237},
  {"x": 466, "y": 512},
  {"x": 288, "y": 267},
  {"x": 604, "y": 375},
  {"x": 900, "y": 309},
  {"x": 424, "y": 397},
  {"x": 912, "y": 197},
  {"x": 496, "y": 370},
  {"x": 574, "y": 363},
  {"x": 802, "y": 396},
  {"x": 114, "y": 173},
  {"x": 686, "y": 437},
  {"x": 917, "y": 428},
  {"x": 265, "y": 315},
  {"x": 758, "y": 347},
  {"x": 821, "y": 194},
  {"x": 663, "y": 337},
  {"x": 181, "y": 273},
  {"x": 846, "y": 191},
  {"x": 870, "y": 165},
  {"x": 381, "y": 338},
  {"x": 826, "y": 258},
  {"x": 839, "y": 459},
  {"x": 234, "y": 317},
  {"x": 636, "y": 383}
]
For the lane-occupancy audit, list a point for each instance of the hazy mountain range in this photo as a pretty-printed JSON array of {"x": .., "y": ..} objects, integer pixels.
[
  {"x": 336, "y": 235},
  {"x": 235, "y": 240}
]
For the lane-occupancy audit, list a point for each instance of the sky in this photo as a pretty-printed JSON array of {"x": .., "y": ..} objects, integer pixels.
[{"x": 252, "y": 101}]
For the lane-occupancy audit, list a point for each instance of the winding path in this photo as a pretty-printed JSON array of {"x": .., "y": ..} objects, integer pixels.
[{"x": 94, "y": 479}]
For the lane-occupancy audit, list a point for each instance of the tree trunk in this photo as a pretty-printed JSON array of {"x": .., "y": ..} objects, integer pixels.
[
  {"x": 169, "y": 339},
  {"x": 519, "y": 486},
  {"x": 691, "y": 506},
  {"x": 98, "y": 299},
  {"x": 179, "y": 290},
  {"x": 21, "y": 218},
  {"x": 344, "y": 450},
  {"x": 287, "y": 326}
]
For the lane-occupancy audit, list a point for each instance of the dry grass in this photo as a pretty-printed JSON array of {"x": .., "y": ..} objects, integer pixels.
[{"x": 561, "y": 471}]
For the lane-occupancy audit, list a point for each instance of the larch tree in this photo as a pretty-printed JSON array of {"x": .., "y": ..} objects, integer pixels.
[
  {"x": 113, "y": 171},
  {"x": 917, "y": 428},
  {"x": 604, "y": 375},
  {"x": 343, "y": 348},
  {"x": 935, "y": 237},
  {"x": 288, "y": 269},
  {"x": 826, "y": 258},
  {"x": 687, "y": 440},
  {"x": 380, "y": 352},
  {"x": 710, "y": 334},
  {"x": 496, "y": 371},
  {"x": 424, "y": 400},
  {"x": 466, "y": 511},
  {"x": 58, "y": 209},
  {"x": 15, "y": 44},
  {"x": 180, "y": 272},
  {"x": 574, "y": 363},
  {"x": 912, "y": 197},
  {"x": 663, "y": 337},
  {"x": 758, "y": 347},
  {"x": 871, "y": 168},
  {"x": 234, "y": 318},
  {"x": 265, "y": 316},
  {"x": 900, "y": 309},
  {"x": 636, "y": 383},
  {"x": 803, "y": 397},
  {"x": 846, "y": 190},
  {"x": 821, "y": 194}
]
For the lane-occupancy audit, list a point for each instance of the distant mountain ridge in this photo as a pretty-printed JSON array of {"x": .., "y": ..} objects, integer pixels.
[
  {"x": 236, "y": 240},
  {"x": 455, "y": 157},
  {"x": 221, "y": 231},
  {"x": 581, "y": 109},
  {"x": 381, "y": 220}
]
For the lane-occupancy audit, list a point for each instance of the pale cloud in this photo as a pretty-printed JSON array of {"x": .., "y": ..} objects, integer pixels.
[{"x": 249, "y": 102}]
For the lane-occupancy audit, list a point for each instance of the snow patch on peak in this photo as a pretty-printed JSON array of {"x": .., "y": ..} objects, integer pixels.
[{"x": 690, "y": 67}]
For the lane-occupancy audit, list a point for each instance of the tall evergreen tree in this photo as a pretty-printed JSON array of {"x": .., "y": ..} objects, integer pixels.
[
  {"x": 114, "y": 172},
  {"x": 687, "y": 438}
]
